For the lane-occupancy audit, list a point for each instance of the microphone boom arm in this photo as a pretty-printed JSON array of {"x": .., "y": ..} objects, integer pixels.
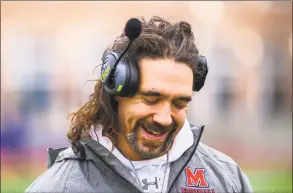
[{"x": 113, "y": 70}]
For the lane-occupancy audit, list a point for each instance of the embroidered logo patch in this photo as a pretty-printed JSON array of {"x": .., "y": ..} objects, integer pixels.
[{"x": 196, "y": 181}]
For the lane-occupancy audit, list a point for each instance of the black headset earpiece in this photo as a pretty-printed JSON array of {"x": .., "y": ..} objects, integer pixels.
[
  {"x": 200, "y": 73},
  {"x": 125, "y": 80}
]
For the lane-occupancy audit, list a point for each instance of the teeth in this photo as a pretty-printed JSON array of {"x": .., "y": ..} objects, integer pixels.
[
  {"x": 153, "y": 132},
  {"x": 156, "y": 133}
]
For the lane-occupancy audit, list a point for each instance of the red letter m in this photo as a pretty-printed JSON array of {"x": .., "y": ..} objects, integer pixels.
[{"x": 195, "y": 179}]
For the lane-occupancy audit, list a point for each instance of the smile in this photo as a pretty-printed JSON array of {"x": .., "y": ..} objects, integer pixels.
[{"x": 154, "y": 134}]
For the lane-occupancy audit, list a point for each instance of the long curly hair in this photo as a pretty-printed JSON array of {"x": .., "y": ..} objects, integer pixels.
[{"x": 159, "y": 39}]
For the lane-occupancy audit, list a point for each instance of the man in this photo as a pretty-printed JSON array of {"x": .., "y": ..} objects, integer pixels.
[{"x": 132, "y": 135}]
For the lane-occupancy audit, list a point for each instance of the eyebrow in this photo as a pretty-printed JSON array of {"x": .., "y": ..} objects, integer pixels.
[
  {"x": 155, "y": 93},
  {"x": 149, "y": 93}
]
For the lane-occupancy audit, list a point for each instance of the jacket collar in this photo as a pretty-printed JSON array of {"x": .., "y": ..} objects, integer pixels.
[
  {"x": 178, "y": 165},
  {"x": 97, "y": 153}
]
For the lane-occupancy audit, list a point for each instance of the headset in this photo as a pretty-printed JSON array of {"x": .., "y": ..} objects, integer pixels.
[{"x": 121, "y": 78}]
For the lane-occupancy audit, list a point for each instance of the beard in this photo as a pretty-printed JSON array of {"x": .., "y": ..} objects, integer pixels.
[{"x": 154, "y": 148}]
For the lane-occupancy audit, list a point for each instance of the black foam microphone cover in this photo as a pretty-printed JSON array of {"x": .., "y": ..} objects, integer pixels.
[{"x": 133, "y": 28}]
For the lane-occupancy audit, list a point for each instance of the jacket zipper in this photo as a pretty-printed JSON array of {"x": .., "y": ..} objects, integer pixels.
[{"x": 187, "y": 160}]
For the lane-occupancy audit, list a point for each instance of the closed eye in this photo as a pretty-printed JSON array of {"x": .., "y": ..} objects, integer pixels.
[
  {"x": 182, "y": 102},
  {"x": 180, "y": 105},
  {"x": 150, "y": 97},
  {"x": 151, "y": 100}
]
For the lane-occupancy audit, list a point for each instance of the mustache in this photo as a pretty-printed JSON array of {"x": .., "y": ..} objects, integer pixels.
[{"x": 156, "y": 126}]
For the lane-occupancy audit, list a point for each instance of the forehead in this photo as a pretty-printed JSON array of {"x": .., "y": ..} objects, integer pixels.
[{"x": 166, "y": 76}]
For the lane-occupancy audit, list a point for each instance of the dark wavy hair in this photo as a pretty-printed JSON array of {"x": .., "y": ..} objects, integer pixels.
[{"x": 158, "y": 39}]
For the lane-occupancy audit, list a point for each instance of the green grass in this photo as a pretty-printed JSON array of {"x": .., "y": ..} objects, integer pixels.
[
  {"x": 271, "y": 181},
  {"x": 262, "y": 181},
  {"x": 15, "y": 185}
]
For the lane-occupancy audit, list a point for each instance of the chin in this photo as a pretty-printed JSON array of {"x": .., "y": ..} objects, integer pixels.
[
  {"x": 152, "y": 152},
  {"x": 148, "y": 147},
  {"x": 149, "y": 154}
]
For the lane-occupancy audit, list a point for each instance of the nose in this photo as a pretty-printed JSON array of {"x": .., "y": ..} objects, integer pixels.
[{"x": 164, "y": 115}]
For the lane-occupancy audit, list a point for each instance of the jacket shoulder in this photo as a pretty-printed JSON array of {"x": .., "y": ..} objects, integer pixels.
[
  {"x": 61, "y": 176},
  {"x": 215, "y": 155},
  {"x": 226, "y": 165}
]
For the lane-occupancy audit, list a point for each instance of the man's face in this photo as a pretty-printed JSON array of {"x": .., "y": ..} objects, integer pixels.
[{"x": 150, "y": 120}]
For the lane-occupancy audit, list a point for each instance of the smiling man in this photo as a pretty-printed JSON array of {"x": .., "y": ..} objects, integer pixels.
[
  {"x": 133, "y": 134},
  {"x": 152, "y": 118}
]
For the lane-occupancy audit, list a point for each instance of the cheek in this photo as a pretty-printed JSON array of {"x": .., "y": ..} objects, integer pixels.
[
  {"x": 130, "y": 112},
  {"x": 179, "y": 117},
  {"x": 137, "y": 112}
]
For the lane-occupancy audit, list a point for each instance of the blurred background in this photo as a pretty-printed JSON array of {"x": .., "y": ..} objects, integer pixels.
[{"x": 49, "y": 51}]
